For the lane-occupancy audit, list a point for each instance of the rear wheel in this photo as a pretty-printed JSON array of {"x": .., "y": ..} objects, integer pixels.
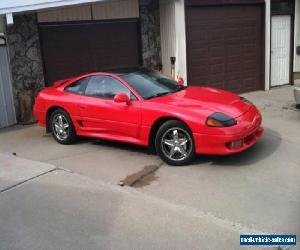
[
  {"x": 62, "y": 127},
  {"x": 174, "y": 143}
]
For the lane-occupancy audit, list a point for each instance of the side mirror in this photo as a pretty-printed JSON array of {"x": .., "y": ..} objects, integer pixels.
[
  {"x": 122, "y": 97},
  {"x": 180, "y": 81}
]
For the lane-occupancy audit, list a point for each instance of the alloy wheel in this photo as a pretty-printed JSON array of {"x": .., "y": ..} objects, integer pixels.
[
  {"x": 176, "y": 144},
  {"x": 60, "y": 127}
]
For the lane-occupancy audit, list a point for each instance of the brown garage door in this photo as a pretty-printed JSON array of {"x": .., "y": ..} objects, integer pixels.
[
  {"x": 225, "y": 46},
  {"x": 71, "y": 49}
]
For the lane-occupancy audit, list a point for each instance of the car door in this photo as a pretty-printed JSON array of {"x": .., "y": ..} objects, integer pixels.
[
  {"x": 70, "y": 99},
  {"x": 101, "y": 115}
]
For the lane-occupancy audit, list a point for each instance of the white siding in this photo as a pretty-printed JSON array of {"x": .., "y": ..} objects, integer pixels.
[
  {"x": 297, "y": 36},
  {"x": 267, "y": 43},
  {"x": 180, "y": 40},
  {"x": 173, "y": 39},
  {"x": 167, "y": 33},
  {"x": 99, "y": 11}
]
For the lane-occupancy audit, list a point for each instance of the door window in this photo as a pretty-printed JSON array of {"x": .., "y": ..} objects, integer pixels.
[{"x": 105, "y": 87}]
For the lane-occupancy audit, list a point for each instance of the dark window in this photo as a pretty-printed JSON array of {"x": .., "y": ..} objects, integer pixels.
[
  {"x": 282, "y": 7},
  {"x": 77, "y": 87},
  {"x": 106, "y": 87}
]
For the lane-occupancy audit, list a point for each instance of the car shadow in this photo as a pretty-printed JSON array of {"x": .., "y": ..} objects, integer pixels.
[
  {"x": 120, "y": 145},
  {"x": 265, "y": 147}
]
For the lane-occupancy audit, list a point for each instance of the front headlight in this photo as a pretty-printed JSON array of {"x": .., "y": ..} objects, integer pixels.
[{"x": 220, "y": 120}]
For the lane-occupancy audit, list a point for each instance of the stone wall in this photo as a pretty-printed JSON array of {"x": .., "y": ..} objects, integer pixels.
[
  {"x": 26, "y": 64},
  {"x": 150, "y": 32}
]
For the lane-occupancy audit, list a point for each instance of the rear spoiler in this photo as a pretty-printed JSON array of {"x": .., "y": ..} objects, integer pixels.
[{"x": 60, "y": 82}]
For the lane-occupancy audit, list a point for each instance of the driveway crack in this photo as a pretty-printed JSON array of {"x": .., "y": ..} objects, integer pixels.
[{"x": 27, "y": 180}]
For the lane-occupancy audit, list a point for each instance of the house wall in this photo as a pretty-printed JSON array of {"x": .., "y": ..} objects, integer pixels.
[
  {"x": 180, "y": 38},
  {"x": 297, "y": 40},
  {"x": 25, "y": 52},
  {"x": 2, "y": 25},
  {"x": 180, "y": 66},
  {"x": 115, "y": 9},
  {"x": 267, "y": 43},
  {"x": 150, "y": 33},
  {"x": 168, "y": 34},
  {"x": 173, "y": 39},
  {"x": 147, "y": 10},
  {"x": 64, "y": 14},
  {"x": 98, "y": 11},
  {"x": 26, "y": 63}
]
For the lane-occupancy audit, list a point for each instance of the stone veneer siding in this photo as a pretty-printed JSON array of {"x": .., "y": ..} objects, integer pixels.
[
  {"x": 26, "y": 64},
  {"x": 150, "y": 32}
]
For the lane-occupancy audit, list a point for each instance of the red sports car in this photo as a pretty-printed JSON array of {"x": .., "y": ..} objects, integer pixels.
[{"x": 143, "y": 107}]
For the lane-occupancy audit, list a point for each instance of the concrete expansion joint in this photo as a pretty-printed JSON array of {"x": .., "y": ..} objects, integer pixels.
[{"x": 27, "y": 180}]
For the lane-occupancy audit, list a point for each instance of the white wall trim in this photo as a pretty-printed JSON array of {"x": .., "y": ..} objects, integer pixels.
[
  {"x": 267, "y": 43},
  {"x": 9, "y": 19},
  {"x": 167, "y": 34},
  {"x": 9, "y": 6},
  {"x": 180, "y": 46},
  {"x": 296, "y": 67}
]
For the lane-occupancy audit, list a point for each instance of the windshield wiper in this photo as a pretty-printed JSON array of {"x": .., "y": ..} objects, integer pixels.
[
  {"x": 179, "y": 87},
  {"x": 158, "y": 94}
]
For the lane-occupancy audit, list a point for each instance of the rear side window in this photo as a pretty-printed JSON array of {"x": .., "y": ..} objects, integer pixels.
[
  {"x": 105, "y": 87},
  {"x": 77, "y": 87}
]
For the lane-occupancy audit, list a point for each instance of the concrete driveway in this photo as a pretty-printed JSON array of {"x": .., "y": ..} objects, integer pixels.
[{"x": 255, "y": 191}]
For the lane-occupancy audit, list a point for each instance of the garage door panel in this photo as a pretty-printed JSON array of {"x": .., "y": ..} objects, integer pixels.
[
  {"x": 71, "y": 49},
  {"x": 227, "y": 40}
]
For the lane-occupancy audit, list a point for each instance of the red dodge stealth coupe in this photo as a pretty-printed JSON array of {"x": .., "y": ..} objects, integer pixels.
[{"x": 143, "y": 107}]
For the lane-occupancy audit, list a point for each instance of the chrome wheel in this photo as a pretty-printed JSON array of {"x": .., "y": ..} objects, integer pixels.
[
  {"x": 176, "y": 144},
  {"x": 60, "y": 127}
]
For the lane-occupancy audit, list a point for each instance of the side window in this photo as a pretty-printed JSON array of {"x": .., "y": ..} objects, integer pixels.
[
  {"x": 105, "y": 87},
  {"x": 77, "y": 87}
]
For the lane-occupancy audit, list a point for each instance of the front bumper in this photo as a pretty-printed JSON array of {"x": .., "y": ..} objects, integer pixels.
[{"x": 248, "y": 129}]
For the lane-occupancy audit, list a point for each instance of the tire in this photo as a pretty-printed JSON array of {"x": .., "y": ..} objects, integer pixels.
[
  {"x": 174, "y": 143},
  {"x": 62, "y": 128}
]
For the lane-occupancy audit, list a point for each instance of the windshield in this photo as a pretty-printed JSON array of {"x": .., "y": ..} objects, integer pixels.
[{"x": 151, "y": 84}]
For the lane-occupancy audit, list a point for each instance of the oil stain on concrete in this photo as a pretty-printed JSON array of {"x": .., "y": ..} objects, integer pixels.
[{"x": 141, "y": 178}]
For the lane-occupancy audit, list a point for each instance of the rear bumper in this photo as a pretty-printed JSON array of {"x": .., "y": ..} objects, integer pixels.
[
  {"x": 40, "y": 116},
  {"x": 249, "y": 131}
]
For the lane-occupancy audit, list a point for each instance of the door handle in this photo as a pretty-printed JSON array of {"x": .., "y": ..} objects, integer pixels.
[{"x": 82, "y": 107}]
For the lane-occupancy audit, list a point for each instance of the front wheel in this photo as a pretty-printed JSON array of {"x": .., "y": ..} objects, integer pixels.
[{"x": 174, "y": 143}]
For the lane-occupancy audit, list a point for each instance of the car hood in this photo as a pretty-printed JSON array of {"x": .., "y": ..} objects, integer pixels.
[{"x": 209, "y": 99}]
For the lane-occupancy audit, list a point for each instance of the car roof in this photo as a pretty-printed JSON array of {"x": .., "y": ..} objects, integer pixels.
[{"x": 124, "y": 71}]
